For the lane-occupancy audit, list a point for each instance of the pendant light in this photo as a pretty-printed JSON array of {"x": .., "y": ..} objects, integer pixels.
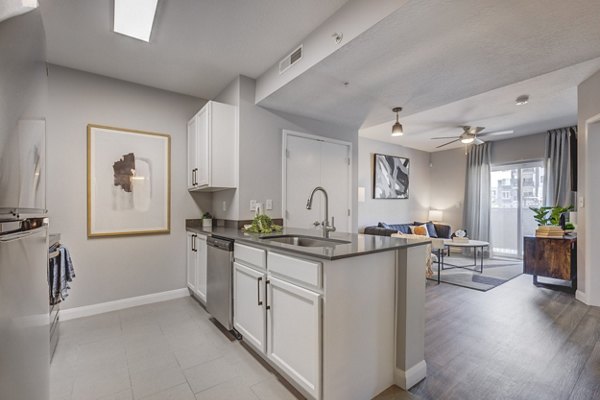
[{"x": 397, "y": 128}]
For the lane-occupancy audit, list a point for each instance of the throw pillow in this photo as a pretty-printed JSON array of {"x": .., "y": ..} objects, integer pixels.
[
  {"x": 420, "y": 230},
  {"x": 430, "y": 228}
]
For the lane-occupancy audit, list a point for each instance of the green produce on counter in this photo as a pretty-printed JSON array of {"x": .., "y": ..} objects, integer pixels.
[{"x": 262, "y": 224}]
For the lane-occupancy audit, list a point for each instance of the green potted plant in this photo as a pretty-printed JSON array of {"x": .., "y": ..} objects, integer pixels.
[
  {"x": 207, "y": 220},
  {"x": 549, "y": 216},
  {"x": 549, "y": 220}
]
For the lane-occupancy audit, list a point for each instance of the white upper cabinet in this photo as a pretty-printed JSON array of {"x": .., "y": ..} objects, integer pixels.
[{"x": 212, "y": 148}]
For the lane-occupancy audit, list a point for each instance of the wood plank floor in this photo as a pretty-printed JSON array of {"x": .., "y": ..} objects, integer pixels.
[{"x": 516, "y": 341}]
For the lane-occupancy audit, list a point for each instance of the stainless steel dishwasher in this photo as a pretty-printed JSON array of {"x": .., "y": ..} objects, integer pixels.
[{"x": 219, "y": 285}]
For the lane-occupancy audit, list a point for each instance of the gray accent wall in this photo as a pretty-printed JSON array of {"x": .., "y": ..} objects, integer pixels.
[
  {"x": 115, "y": 268},
  {"x": 397, "y": 211}
]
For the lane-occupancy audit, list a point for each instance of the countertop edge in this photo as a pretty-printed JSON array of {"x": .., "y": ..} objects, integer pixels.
[{"x": 299, "y": 251}]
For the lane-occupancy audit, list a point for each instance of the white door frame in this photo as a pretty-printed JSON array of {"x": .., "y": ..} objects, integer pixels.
[
  {"x": 286, "y": 134},
  {"x": 587, "y": 297}
]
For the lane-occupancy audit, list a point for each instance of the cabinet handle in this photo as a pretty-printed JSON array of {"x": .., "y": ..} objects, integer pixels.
[
  {"x": 194, "y": 176},
  {"x": 194, "y": 242},
  {"x": 260, "y": 303},
  {"x": 268, "y": 307}
]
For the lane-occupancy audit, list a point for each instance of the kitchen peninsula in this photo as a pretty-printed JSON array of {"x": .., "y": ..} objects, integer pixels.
[{"x": 340, "y": 318}]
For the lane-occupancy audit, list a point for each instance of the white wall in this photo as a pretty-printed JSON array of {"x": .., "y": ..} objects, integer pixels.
[
  {"x": 416, "y": 207},
  {"x": 525, "y": 148},
  {"x": 588, "y": 217},
  {"x": 260, "y": 147},
  {"x": 449, "y": 171},
  {"x": 448, "y": 177},
  {"x": 115, "y": 268},
  {"x": 230, "y": 197}
]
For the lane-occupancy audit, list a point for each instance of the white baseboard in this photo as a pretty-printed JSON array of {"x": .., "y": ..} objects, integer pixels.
[
  {"x": 412, "y": 376},
  {"x": 101, "y": 308},
  {"x": 581, "y": 296}
]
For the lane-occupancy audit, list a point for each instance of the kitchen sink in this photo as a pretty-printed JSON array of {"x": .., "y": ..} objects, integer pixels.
[{"x": 304, "y": 241}]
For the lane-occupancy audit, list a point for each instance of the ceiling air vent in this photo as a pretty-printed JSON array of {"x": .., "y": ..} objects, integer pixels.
[{"x": 290, "y": 60}]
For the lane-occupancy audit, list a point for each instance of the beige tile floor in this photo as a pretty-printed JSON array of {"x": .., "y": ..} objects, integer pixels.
[{"x": 162, "y": 351}]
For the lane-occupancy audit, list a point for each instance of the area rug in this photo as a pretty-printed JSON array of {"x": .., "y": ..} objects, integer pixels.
[{"x": 496, "y": 271}]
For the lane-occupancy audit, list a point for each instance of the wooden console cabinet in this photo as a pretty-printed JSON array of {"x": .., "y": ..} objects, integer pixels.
[{"x": 551, "y": 257}]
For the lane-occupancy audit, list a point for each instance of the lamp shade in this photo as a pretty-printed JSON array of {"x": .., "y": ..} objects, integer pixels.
[{"x": 435, "y": 215}]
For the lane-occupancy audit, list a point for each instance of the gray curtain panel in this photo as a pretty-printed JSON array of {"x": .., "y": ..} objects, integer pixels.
[
  {"x": 558, "y": 167},
  {"x": 477, "y": 195}
]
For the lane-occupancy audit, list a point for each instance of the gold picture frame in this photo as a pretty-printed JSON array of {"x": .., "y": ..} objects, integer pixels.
[{"x": 133, "y": 196}]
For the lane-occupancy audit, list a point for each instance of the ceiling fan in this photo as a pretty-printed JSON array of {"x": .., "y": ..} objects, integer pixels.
[{"x": 471, "y": 134}]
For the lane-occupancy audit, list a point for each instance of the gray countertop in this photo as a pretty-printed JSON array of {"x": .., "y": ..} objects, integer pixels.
[{"x": 359, "y": 244}]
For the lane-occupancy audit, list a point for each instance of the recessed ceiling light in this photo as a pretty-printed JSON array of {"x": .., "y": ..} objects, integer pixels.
[
  {"x": 521, "y": 100},
  {"x": 135, "y": 18}
]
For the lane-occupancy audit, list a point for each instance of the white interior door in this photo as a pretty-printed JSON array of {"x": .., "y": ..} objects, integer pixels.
[
  {"x": 312, "y": 162},
  {"x": 336, "y": 180},
  {"x": 303, "y": 174}
]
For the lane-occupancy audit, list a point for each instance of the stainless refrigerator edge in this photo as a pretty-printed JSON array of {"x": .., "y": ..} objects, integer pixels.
[{"x": 24, "y": 295}]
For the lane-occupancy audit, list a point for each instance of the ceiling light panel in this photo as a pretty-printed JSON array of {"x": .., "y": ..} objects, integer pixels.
[{"x": 135, "y": 18}]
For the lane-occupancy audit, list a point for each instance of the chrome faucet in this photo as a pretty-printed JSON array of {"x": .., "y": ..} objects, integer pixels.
[{"x": 326, "y": 227}]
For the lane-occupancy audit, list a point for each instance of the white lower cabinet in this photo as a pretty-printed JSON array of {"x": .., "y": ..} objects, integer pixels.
[
  {"x": 191, "y": 261},
  {"x": 249, "y": 305},
  {"x": 279, "y": 317},
  {"x": 196, "y": 264},
  {"x": 294, "y": 333}
]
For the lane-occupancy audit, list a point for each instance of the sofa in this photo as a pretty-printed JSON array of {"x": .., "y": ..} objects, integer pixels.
[{"x": 435, "y": 230}]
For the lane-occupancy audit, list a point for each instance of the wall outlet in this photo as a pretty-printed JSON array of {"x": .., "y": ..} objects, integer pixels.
[
  {"x": 269, "y": 204},
  {"x": 252, "y": 205},
  {"x": 224, "y": 206}
]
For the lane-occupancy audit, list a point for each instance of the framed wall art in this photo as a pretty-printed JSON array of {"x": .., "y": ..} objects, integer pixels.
[
  {"x": 128, "y": 182},
  {"x": 390, "y": 177}
]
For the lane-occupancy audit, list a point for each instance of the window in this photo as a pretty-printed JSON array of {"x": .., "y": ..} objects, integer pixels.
[{"x": 506, "y": 195}]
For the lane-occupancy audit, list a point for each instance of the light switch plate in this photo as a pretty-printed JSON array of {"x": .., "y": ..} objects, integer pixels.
[
  {"x": 269, "y": 204},
  {"x": 252, "y": 205},
  {"x": 224, "y": 206},
  {"x": 581, "y": 202}
]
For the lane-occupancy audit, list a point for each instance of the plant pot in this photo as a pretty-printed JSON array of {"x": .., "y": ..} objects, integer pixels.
[{"x": 207, "y": 223}]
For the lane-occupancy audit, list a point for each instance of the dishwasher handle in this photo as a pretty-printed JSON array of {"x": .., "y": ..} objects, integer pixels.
[{"x": 220, "y": 243}]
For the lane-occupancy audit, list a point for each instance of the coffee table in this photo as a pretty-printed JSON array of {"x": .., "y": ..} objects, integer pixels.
[{"x": 471, "y": 244}]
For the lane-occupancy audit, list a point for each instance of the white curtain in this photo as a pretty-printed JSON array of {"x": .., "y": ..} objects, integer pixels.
[
  {"x": 477, "y": 194},
  {"x": 558, "y": 167}
]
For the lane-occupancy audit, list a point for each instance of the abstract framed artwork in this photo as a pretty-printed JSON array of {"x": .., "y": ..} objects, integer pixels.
[
  {"x": 128, "y": 182},
  {"x": 390, "y": 179}
]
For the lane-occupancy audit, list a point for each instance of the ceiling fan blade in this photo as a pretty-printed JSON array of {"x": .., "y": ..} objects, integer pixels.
[
  {"x": 445, "y": 137},
  {"x": 497, "y": 133},
  {"x": 478, "y": 141},
  {"x": 446, "y": 144}
]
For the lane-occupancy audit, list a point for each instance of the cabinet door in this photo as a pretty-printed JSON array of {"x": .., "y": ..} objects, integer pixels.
[
  {"x": 203, "y": 146},
  {"x": 249, "y": 305},
  {"x": 294, "y": 333},
  {"x": 191, "y": 261},
  {"x": 192, "y": 153},
  {"x": 201, "y": 261}
]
